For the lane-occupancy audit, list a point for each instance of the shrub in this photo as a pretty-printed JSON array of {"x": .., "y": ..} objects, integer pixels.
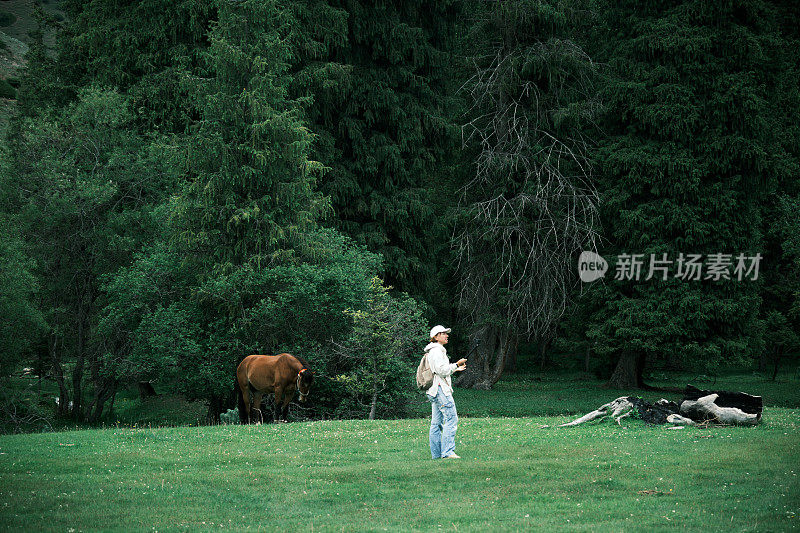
[
  {"x": 21, "y": 413},
  {"x": 194, "y": 336},
  {"x": 379, "y": 355},
  {"x": 231, "y": 416}
]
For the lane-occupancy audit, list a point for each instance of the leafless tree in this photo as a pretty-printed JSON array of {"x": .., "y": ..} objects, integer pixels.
[{"x": 529, "y": 207}]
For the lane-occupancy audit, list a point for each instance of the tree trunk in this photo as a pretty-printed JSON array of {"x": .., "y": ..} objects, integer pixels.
[
  {"x": 778, "y": 357},
  {"x": 100, "y": 385},
  {"x": 146, "y": 390},
  {"x": 762, "y": 361},
  {"x": 740, "y": 400},
  {"x": 544, "y": 350},
  {"x": 628, "y": 372},
  {"x": 42, "y": 356},
  {"x": 221, "y": 402},
  {"x": 111, "y": 404},
  {"x": 95, "y": 409},
  {"x": 486, "y": 366},
  {"x": 587, "y": 358},
  {"x": 478, "y": 363},
  {"x": 77, "y": 372},
  {"x": 58, "y": 375},
  {"x": 511, "y": 361},
  {"x": 216, "y": 405},
  {"x": 374, "y": 403},
  {"x": 724, "y": 407}
]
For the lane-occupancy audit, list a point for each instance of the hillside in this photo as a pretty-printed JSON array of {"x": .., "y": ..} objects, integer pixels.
[{"x": 16, "y": 22}]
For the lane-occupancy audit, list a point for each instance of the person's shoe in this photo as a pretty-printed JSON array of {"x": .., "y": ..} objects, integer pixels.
[{"x": 451, "y": 456}]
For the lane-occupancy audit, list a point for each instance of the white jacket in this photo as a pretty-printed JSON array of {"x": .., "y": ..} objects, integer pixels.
[{"x": 441, "y": 367}]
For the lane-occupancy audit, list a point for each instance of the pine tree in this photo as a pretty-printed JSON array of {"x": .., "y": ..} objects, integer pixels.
[
  {"x": 376, "y": 74},
  {"x": 780, "y": 311},
  {"x": 692, "y": 149},
  {"x": 249, "y": 194},
  {"x": 142, "y": 49}
]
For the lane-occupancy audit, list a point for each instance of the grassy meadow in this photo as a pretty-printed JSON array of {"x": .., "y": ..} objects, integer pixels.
[
  {"x": 518, "y": 471},
  {"x": 524, "y": 394},
  {"x": 374, "y": 476}
]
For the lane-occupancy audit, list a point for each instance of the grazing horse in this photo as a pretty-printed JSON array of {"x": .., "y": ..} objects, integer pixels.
[{"x": 279, "y": 374}]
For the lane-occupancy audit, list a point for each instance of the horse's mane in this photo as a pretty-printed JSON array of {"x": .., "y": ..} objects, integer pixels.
[{"x": 302, "y": 361}]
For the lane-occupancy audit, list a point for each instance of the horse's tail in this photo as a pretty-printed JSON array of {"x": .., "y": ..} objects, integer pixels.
[{"x": 240, "y": 398}]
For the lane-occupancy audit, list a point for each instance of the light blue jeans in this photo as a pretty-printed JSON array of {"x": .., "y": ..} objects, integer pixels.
[{"x": 444, "y": 423}]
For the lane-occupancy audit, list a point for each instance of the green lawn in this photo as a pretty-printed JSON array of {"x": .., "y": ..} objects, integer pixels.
[
  {"x": 523, "y": 395},
  {"x": 375, "y": 476},
  {"x": 517, "y": 395}
]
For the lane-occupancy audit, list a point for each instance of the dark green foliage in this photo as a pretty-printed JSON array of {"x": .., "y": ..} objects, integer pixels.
[
  {"x": 692, "y": 147},
  {"x": 249, "y": 194},
  {"x": 162, "y": 326},
  {"x": 7, "y": 90},
  {"x": 171, "y": 164},
  {"x": 378, "y": 354},
  {"x": 80, "y": 185},
  {"x": 7, "y": 19},
  {"x": 244, "y": 268},
  {"x": 376, "y": 73},
  {"x": 780, "y": 311},
  {"x": 40, "y": 85},
  {"x": 142, "y": 48},
  {"x": 23, "y": 322},
  {"x": 246, "y": 205},
  {"x": 781, "y": 219}
]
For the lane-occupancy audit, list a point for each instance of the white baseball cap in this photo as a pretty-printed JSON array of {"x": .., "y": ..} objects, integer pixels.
[{"x": 439, "y": 329}]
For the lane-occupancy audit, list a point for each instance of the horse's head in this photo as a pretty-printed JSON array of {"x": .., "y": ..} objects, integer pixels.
[{"x": 304, "y": 380}]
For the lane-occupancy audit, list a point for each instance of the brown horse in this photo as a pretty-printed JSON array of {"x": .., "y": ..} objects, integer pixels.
[{"x": 279, "y": 374}]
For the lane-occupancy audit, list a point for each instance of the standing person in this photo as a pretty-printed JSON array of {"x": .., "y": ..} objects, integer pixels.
[{"x": 444, "y": 419}]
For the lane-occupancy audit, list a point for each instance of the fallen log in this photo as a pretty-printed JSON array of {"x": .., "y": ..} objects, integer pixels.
[
  {"x": 706, "y": 409},
  {"x": 698, "y": 406},
  {"x": 617, "y": 409},
  {"x": 678, "y": 420},
  {"x": 625, "y": 406},
  {"x": 753, "y": 405},
  {"x": 655, "y": 413}
]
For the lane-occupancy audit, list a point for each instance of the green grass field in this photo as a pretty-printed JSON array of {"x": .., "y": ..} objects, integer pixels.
[
  {"x": 376, "y": 476},
  {"x": 373, "y": 476},
  {"x": 539, "y": 394},
  {"x": 516, "y": 395}
]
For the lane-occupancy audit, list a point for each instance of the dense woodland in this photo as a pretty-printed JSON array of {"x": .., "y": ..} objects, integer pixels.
[{"x": 187, "y": 182}]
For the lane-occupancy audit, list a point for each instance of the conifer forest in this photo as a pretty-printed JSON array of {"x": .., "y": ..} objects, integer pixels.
[{"x": 611, "y": 187}]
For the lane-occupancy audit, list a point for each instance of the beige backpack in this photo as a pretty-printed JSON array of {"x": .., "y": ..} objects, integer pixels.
[{"x": 424, "y": 374}]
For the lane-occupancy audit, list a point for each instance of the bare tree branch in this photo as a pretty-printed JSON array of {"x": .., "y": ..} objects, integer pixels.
[{"x": 529, "y": 206}]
